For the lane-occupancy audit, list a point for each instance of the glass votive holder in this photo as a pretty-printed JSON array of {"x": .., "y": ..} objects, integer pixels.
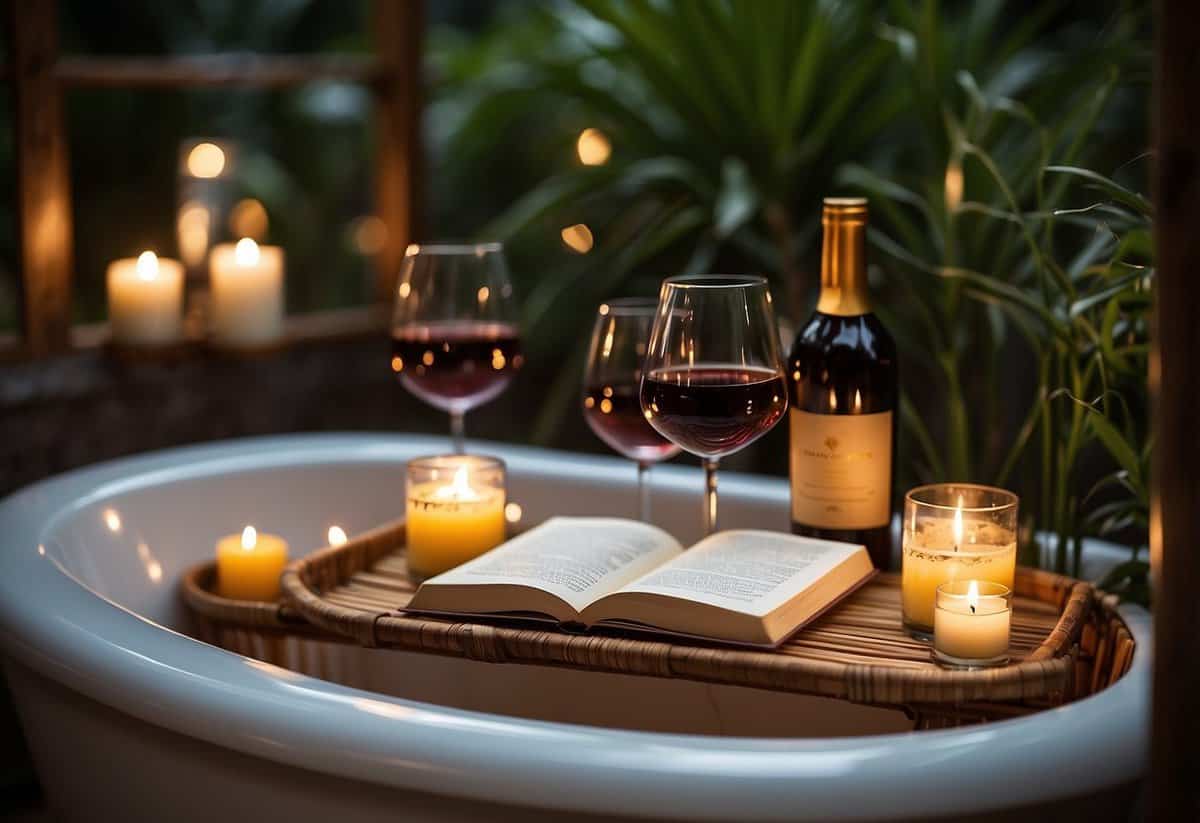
[
  {"x": 953, "y": 531},
  {"x": 971, "y": 624},
  {"x": 454, "y": 511}
]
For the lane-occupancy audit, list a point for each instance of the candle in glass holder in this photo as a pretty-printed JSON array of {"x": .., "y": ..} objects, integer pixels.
[
  {"x": 971, "y": 623},
  {"x": 954, "y": 531},
  {"x": 249, "y": 565},
  {"x": 454, "y": 511},
  {"x": 247, "y": 294},
  {"x": 145, "y": 300}
]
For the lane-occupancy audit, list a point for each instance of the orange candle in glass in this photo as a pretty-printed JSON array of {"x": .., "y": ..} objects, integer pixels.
[{"x": 249, "y": 565}]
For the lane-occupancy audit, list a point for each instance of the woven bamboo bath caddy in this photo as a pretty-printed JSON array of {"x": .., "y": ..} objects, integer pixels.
[{"x": 1067, "y": 640}]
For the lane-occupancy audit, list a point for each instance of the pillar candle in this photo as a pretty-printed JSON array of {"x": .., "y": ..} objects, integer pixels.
[
  {"x": 247, "y": 294},
  {"x": 249, "y": 565},
  {"x": 145, "y": 300}
]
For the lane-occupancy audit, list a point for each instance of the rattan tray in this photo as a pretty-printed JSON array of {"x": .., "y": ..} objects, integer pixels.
[{"x": 1067, "y": 640}]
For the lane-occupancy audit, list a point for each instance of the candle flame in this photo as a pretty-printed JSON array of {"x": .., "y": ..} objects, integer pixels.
[
  {"x": 147, "y": 265},
  {"x": 246, "y": 253},
  {"x": 973, "y": 595},
  {"x": 249, "y": 538},
  {"x": 958, "y": 524},
  {"x": 336, "y": 535},
  {"x": 458, "y": 490}
]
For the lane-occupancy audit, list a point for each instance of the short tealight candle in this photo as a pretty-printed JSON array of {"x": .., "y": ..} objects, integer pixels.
[
  {"x": 249, "y": 565},
  {"x": 247, "y": 294},
  {"x": 454, "y": 511},
  {"x": 145, "y": 300},
  {"x": 954, "y": 531},
  {"x": 971, "y": 624}
]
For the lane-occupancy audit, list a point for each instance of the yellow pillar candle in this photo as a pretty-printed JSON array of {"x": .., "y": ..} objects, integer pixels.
[
  {"x": 249, "y": 565},
  {"x": 941, "y": 544},
  {"x": 971, "y": 623},
  {"x": 247, "y": 294},
  {"x": 145, "y": 300},
  {"x": 452, "y": 512}
]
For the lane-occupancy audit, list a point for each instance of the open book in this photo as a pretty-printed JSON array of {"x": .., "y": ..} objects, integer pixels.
[{"x": 747, "y": 587}]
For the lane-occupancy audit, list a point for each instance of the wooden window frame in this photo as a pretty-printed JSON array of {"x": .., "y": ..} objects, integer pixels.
[{"x": 37, "y": 76}]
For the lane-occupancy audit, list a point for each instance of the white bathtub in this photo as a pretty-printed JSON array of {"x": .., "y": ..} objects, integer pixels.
[{"x": 128, "y": 719}]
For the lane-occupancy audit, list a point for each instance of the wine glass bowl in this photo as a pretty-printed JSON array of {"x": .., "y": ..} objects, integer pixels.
[
  {"x": 717, "y": 410},
  {"x": 613, "y": 378},
  {"x": 713, "y": 380},
  {"x": 611, "y": 384},
  {"x": 455, "y": 340}
]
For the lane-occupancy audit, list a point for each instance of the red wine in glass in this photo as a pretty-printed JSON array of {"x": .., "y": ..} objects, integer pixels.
[
  {"x": 713, "y": 378},
  {"x": 614, "y": 414},
  {"x": 456, "y": 366},
  {"x": 713, "y": 410}
]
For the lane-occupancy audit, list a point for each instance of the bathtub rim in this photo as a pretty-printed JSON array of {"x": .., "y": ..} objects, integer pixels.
[{"x": 112, "y": 655}]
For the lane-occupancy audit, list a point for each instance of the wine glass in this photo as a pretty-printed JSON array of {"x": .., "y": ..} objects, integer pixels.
[
  {"x": 611, "y": 382},
  {"x": 713, "y": 379},
  {"x": 455, "y": 341}
]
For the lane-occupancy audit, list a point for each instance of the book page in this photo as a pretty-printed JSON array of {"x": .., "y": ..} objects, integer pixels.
[
  {"x": 746, "y": 571},
  {"x": 577, "y": 559}
]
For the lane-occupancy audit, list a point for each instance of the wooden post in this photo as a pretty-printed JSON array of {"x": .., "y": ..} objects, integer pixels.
[
  {"x": 43, "y": 182},
  {"x": 397, "y": 29},
  {"x": 1175, "y": 381}
]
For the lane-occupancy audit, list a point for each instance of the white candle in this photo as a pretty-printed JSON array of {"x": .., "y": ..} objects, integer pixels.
[
  {"x": 145, "y": 300},
  {"x": 247, "y": 294},
  {"x": 971, "y": 623}
]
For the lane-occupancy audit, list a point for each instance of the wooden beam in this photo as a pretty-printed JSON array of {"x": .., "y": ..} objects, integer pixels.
[
  {"x": 43, "y": 181},
  {"x": 397, "y": 29},
  {"x": 1174, "y": 379},
  {"x": 240, "y": 70}
]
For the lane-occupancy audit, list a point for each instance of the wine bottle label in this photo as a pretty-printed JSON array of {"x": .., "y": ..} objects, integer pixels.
[{"x": 841, "y": 469}]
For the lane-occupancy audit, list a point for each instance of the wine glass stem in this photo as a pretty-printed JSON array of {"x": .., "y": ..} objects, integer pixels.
[
  {"x": 710, "y": 496},
  {"x": 458, "y": 432},
  {"x": 644, "y": 491}
]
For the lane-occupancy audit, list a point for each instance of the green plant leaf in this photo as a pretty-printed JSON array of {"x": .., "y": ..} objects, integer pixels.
[
  {"x": 1114, "y": 442},
  {"x": 1117, "y": 192},
  {"x": 737, "y": 201},
  {"x": 1093, "y": 299}
]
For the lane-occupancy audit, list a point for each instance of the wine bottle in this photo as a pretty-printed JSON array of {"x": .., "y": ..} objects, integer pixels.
[{"x": 843, "y": 388}]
